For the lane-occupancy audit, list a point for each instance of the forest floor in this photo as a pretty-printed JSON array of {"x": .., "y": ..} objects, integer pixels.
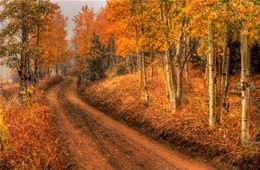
[
  {"x": 96, "y": 141},
  {"x": 122, "y": 98}
]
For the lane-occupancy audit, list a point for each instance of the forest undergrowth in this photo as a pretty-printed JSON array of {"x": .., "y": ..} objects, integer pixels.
[
  {"x": 27, "y": 139},
  {"x": 188, "y": 129}
]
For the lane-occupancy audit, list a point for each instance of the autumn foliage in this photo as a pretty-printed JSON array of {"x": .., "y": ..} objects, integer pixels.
[
  {"x": 187, "y": 129},
  {"x": 27, "y": 138},
  {"x": 169, "y": 34},
  {"x": 32, "y": 39}
]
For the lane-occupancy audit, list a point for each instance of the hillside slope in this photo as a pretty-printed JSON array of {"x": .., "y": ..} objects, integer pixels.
[{"x": 122, "y": 98}]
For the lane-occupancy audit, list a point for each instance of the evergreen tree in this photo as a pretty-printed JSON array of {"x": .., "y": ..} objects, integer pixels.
[{"x": 97, "y": 54}]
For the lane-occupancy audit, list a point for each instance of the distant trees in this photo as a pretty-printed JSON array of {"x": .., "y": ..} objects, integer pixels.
[
  {"x": 91, "y": 53},
  {"x": 54, "y": 45},
  {"x": 27, "y": 38}
]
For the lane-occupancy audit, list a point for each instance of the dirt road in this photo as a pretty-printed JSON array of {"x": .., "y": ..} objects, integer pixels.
[{"x": 96, "y": 141}]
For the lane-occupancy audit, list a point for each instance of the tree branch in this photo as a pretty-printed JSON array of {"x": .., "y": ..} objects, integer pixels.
[{"x": 3, "y": 93}]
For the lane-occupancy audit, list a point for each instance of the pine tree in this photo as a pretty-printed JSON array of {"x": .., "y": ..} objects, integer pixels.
[{"x": 97, "y": 54}]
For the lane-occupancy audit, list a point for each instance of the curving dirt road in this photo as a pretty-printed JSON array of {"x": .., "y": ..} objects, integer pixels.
[{"x": 96, "y": 141}]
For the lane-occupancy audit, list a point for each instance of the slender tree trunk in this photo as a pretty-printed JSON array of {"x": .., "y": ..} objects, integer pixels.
[
  {"x": 206, "y": 74},
  {"x": 133, "y": 64},
  {"x": 224, "y": 79},
  {"x": 41, "y": 74},
  {"x": 141, "y": 68},
  {"x": 212, "y": 82},
  {"x": 187, "y": 64},
  {"x": 36, "y": 71},
  {"x": 166, "y": 82},
  {"x": 48, "y": 72},
  {"x": 146, "y": 96},
  {"x": 228, "y": 68},
  {"x": 22, "y": 70},
  {"x": 178, "y": 56},
  {"x": 245, "y": 87},
  {"x": 169, "y": 81},
  {"x": 151, "y": 64},
  {"x": 139, "y": 61},
  {"x": 3, "y": 92},
  {"x": 57, "y": 69}
]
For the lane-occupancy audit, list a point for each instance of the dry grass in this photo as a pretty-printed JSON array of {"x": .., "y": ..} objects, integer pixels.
[
  {"x": 45, "y": 84},
  {"x": 30, "y": 143},
  {"x": 188, "y": 128}
]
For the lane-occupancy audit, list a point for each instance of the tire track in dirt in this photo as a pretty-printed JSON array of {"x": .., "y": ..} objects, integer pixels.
[
  {"x": 81, "y": 149},
  {"x": 96, "y": 141}
]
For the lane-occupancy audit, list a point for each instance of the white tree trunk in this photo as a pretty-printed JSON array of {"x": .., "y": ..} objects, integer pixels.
[
  {"x": 224, "y": 76},
  {"x": 141, "y": 68},
  {"x": 146, "y": 94},
  {"x": 169, "y": 81},
  {"x": 245, "y": 88},
  {"x": 187, "y": 63},
  {"x": 212, "y": 82}
]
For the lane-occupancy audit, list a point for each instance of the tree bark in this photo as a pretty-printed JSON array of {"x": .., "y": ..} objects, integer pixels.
[
  {"x": 132, "y": 63},
  {"x": 36, "y": 71},
  {"x": 245, "y": 87},
  {"x": 224, "y": 76},
  {"x": 170, "y": 82},
  {"x": 178, "y": 66},
  {"x": 146, "y": 95},
  {"x": 212, "y": 81},
  {"x": 141, "y": 68},
  {"x": 57, "y": 69},
  {"x": 151, "y": 64},
  {"x": 187, "y": 64}
]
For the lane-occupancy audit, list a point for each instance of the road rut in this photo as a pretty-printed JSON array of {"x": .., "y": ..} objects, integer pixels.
[{"x": 96, "y": 141}]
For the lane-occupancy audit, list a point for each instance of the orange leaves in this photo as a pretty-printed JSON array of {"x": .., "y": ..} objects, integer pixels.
[
  {"x": 30, "y": 142},
  {"x": 241, "y": 9},
  {"x": 125, "y": 46},
  {"x": 249, "y": 25},
  {"x": 53, "y": 43}
]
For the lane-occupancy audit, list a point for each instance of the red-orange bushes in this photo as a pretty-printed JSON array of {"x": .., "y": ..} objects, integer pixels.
[
  {"x": 123, "y": 99},
  {"x": 31, "y": 143}
]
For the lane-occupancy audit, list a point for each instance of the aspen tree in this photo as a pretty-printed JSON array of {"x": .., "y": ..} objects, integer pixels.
[
  {"x": 224, "y": 76},
  {"x": 212, "y": 80},
  {"x": 245, "y": 87},
  {"x": 146, "y": 93},
  {"x": 187, "y": 62},
  {"x": 170, "y": 77},
  {"x": 178, "y": 66}
]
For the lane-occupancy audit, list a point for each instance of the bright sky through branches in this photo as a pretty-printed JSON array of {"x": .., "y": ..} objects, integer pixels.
[{"x": 70, "y": 8}]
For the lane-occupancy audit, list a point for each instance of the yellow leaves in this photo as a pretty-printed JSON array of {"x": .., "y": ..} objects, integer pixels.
[
  {"x": 189, "y": 10},
  {"x": 3, "y": 129},
  {"x": 22, "y": 92},
  {"x": 245, "y": 32},
  {"x": 30, "y": 90},
  {"x": 211, "y": 16},
  {"x": 126, "y": 46},
  {"x": 1, "y": 108}
]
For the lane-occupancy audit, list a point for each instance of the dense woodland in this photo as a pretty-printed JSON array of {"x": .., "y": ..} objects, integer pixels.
[
  {"x": 172, "y": 38},
  {"x": 142, "y": 35},
  {"x": 33, "y": 39}
]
